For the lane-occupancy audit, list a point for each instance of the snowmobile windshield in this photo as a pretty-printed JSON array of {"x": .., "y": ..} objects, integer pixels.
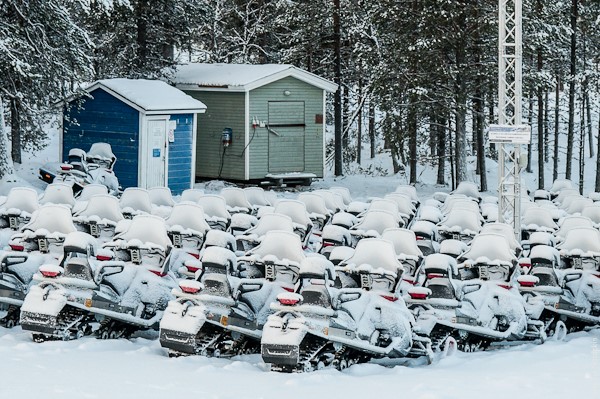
[
  {"x": 280, "y": 247},
  {"x": 214, "y": 206},
  {"x": 505, "y": 230},
  {"x": 468, "y": 189},
  {"x": 314, "y": 203},
  {"x": 270, "y": 222},
  {"x": 53, "y": 218},
  {"x": 376, "y": 220},
  {"x": 235, "y": 197},
  {"x": 383, "y": 205},
  {"x": 147, "y": 230},
  {"x": 375, "y": 256},
  {"x": 191, "y": 194},
  {"x": 256, "y": 196},
  {"x": 295, "y": 209},
  {"x": 583, "y": 241},
  {"x": 489, "y": 248},
  {"x": 538, "y": 217},
  {"x": 592, "y": 212},
  {"x": 101, "y": 153},
  {"x": 161, "y": 196},
  {"x": 333, "y": 201},
  {"x": 572, "y": 222},
  {"x": 24, "y": 199},
  {"x": 189, "y": 216},
  {"x": 136, "y": 199},
  {"x": 103, "y": 207},
  {"x": 404, "y": 203},
  {"x": 404, "y": 240},
  {"x": 461, "y": 220},
  {"x": 58, "y": 193}
]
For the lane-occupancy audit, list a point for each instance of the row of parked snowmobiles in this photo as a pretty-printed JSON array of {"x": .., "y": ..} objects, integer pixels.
[{"x": 312, "y": 282}]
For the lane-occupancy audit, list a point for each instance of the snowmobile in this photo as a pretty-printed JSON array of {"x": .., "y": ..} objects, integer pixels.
[
  {"x": 215, "y": 211},
  {"x": 135, "y": 201},
  {"x": 81, "y": 168},
  {"x": 473, "y": 302},
  {"x": 372, "y": 224},
  {"x": 296, "y": 210},
  {"x": 125, "y": 290},
  {"x": 426, "y": 235},
  {"x": 39, "y": 241},
  {"x": 325, "y": 326},
  {"x": 99, "y": 217},
  {"x": 543, "y": 282},
  {"x": 461, "y": 223},
  {"x": 317, "y": 210},
  {"x": 334, "y": 236},
  {"x": 223, "y": 314},
  {"x": 236, "y": 201},
  {"x": 20, "y": 204},
  {"x": 269, "y": 222},
  {"x": 187, "y": 227}
]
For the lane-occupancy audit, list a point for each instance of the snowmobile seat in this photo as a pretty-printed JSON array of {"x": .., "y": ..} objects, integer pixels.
[
  {"x": 316, "y": 295},
  {"x": 217, "y": 284},
  {"x": 546, "y": 276},
  {"x": 441, "y": 288},
  {"x": 78, "y": 268}
]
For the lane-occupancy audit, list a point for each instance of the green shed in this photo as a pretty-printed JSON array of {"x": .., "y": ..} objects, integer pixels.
[{"x": 263, "y": 122}]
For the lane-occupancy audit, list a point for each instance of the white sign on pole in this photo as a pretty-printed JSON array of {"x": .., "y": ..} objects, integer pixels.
[{"x": 511, "y": 134}]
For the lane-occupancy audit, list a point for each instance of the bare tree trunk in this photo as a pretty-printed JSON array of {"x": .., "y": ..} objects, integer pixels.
[
  {"x": 338, "y": 157},
  {"x": 546, "y": 127},
  {"x": 597, "y": 185},
  {"x": 572, "y": 73},
  {"x": 441, "y": 149},
  {"x": 452, "y": 160},
  {"x": 360, "y": 121},
  {"x": 540, "y": 116},
  {"x": 412, "y": 137},
  {"x": 581, "y": 150},
  {"x": 372, "y": 127},
  {"x": 556, "y": 128},
  {"x": 6, "y": 165},
  {"x": 529, "y": 150},
  {"x": 142, "y": 34},
  {"x": 480, "y": 139},
  {"x": 15, "y": 129}
]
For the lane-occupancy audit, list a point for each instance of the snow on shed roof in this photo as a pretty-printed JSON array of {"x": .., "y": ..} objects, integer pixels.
[
  {"x": 150, "y": 95},
  {"x": 243, "y": 77}
]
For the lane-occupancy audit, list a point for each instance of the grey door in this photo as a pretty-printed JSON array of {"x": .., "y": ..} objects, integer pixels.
[{"x": 286, "y": 136}]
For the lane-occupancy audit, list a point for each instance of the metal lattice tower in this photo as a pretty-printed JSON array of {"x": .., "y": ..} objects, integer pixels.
[{"x": 509, "y": 110}]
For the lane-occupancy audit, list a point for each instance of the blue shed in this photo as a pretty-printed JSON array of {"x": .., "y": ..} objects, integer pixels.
[{"x": 150, "y": 125}]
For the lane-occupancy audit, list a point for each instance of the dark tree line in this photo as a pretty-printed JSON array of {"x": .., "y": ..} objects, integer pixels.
[{"x": 419, "y": 76}]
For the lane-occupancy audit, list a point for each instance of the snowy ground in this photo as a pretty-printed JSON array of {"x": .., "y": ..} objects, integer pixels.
[
  {"x": 139, "y": 368},
  {"x": 91, "y": 368}
]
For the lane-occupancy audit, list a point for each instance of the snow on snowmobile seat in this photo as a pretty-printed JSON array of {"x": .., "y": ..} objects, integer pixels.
[
  {"x": 78, "y": 268},
  {"x": 441, "y": 288},
  {"x": 316, "y": 295},
  {"x": 20, "y": 199}
]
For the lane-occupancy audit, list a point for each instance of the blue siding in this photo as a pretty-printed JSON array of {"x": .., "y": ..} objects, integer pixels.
[
  {"x": 180, "y": 154},
  {"x": 105, "y": 118}
]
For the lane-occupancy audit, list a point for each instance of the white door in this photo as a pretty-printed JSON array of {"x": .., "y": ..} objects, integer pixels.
[{"x": 155, "y": 153}]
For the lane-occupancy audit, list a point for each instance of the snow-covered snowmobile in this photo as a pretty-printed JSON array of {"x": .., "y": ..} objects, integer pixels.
[
  {"x": 99, "y": 217},
  {"x": 322, "y": 326},
  {"x": 223, "y": 314},
  {"x": 39, "y": 241},
  {"x": 268, "y": 222},
  {"x": 461, "y": 223},
  {"x": 16, "y": 211},
  {"x": 125, "y": 290},
  {"x": 473, "y": 302},
  {"x": 81, "y": 168}
]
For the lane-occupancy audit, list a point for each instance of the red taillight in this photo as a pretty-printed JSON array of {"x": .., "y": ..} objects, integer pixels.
[
  {"x": 17, "y": 247},
  {"x": 410, "y": 281},
  {"x": 50, "y": 271},
  {"x": 434, "y": 275},
  {"x": 328, "y": 244},
  {"x": 288, "y": 301},
  {"x": 419, "y": 238},
  {"x": 525, "y": 263},
  {"x": 195, "y": 255},
  {"x": 505, "y": 286},
  {"x": 289, "y": 289},
  {"x": 159, "y": 273},
  {"x": 596, "y": 274},
  {"x": 192, "y": 266},
  {"x": 391, "y": 298},
  {"x": 418, "y": 295},
  {"x": 527, "y": 283},
  {"x": 190, "y": 287},
  {"x": 66, "y": 166},
  {"x": 103, "y": 257}
]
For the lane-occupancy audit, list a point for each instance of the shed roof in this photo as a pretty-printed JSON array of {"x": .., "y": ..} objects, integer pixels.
[
  {"x": 243, "y": 77},
  {"x": 150, "y": 96}
]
